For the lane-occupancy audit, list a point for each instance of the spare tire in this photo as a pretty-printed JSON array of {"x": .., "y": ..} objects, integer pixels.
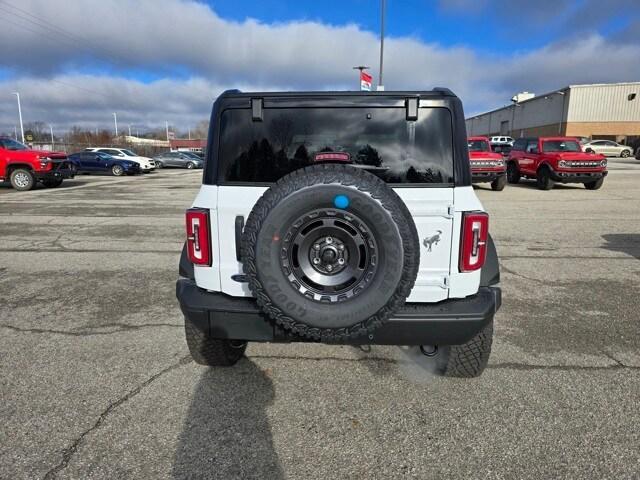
[{"x": 330, "y": 252}]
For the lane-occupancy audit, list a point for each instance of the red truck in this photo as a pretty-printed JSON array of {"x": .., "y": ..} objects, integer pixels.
[
  {"x": 555, "y": 159},
  {"x": 24, "y": 167},
  {"x": 486, "y": 165}
]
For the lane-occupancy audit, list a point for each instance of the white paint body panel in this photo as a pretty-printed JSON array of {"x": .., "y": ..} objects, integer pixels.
[{"x": 435, "y": 211}]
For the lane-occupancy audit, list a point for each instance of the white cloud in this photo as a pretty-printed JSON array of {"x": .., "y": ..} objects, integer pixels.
[{"x": 212, "y": 54}]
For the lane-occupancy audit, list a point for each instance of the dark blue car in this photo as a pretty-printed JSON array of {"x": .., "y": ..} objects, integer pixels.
[{"x": 92, "y": 162}]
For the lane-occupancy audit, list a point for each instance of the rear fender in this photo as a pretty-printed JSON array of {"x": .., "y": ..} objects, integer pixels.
[{"x": 490, "y": 273}]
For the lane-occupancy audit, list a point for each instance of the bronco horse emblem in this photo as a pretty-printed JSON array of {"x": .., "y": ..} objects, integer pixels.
[{"x": 432, "y": 240}]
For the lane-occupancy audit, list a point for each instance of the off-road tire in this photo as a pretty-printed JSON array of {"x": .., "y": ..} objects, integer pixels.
[
  {"x": 214, "y": 352},
  {"x": 543, "y": 179},
  {"x": 288, "y": 306},
  {"x": 117, "y": 170},
  {"x": 22, "y": 179},
  {"x": 499, "y": 183},
  {"x": 595, "y": 185},
  {"x": 513, "y": 174},
  {"x": 52, "y": 183},
  {"x": 469, "y": 359}
]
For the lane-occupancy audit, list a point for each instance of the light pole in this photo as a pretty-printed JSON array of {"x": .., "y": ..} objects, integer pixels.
[
  {"x": 115, "y": 121},
  {"x": 129, "y": 129},
  {"x": 166, "y": 126},
  {"x": 51, "y": 130},
  {"x": 20, "y": 115},
  {"x": 383, "y": 5}
]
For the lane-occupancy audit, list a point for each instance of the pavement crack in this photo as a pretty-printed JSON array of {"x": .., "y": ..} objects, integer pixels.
[
  {"x": 527, "y": 366},
  {"x": 608, "y": 355},
  {"x": 495, "y": 366},
  {"x": 512, "y": 272},
  {"x": 69, "y": 452},
  {"x": 87, "y": 331}
]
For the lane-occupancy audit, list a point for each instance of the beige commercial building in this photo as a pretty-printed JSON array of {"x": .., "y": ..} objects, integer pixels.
[{"x": 600, "y": 111}]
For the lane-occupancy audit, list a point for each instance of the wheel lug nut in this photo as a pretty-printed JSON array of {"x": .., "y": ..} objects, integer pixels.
[
  {"x": 329, "y": 268},
  {"x": 328, "y": 240},
  {"x": 316, "y": 247},
  {"x": 316, "y": 261},
  {"x": 341, "y": 261},
  {"x": 340, "y": 247}
]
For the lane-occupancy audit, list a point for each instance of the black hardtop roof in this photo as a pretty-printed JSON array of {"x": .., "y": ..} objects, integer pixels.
[{"x": 435, "y": 93}]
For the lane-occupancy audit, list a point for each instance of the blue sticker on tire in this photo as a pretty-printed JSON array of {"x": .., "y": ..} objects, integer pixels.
[{"x": 341, "y": 201}]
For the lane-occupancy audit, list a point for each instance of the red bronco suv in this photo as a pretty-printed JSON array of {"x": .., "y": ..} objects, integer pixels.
[
  {"x": 486, "y": 165},
  {"x": 555, "y": 159},
  {"x": 24, "y": 167}
]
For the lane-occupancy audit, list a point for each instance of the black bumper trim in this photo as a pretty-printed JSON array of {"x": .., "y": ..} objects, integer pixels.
[
  {"x": 450, "y": 322},
  {"x": 577, "y": 177},
  {"x": 480, "y": 177}
]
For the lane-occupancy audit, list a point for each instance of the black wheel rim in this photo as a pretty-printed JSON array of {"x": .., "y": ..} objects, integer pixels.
[{"x": 329, "y": 255}]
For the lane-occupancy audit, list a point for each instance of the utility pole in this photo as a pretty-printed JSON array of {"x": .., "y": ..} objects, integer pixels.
[
  {"x": 20, "y": 115},
  {"x": 166, "y": 125},
  {"x": 189, "y": 133},
  {"x": 115, "y": 120},
  {"x": 129, "y": 129},
  {"x": 383, "y": 5},
  {"x": 51, "y": 130}
]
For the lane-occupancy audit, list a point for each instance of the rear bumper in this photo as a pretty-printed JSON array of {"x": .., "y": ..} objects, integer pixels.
[
  {"x": 577, "y": 177},
  {"x": 450, "y": 322}
]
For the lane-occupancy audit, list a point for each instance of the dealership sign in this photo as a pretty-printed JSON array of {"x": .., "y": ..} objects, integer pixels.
[{"x": 365, "y": 81}]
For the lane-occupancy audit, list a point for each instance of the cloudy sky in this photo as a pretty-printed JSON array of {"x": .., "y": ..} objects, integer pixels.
[{"x": 75, "y": 62}]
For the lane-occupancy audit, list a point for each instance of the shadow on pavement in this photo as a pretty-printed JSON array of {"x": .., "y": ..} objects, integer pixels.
[
  {"x": 226, "y": 434},
  {"x": 628, "y": 243},
  {"x": 65, "y": 184}
]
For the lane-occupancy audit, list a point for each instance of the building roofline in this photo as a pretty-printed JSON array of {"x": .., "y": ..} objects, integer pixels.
[{"x": 543, "y": 95}]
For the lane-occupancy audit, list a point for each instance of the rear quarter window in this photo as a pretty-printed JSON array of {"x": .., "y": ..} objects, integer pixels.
[{"x": 380, "y": 140}]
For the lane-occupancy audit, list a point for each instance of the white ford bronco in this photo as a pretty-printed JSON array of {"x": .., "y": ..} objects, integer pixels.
[{"x": 340, "y": 218}]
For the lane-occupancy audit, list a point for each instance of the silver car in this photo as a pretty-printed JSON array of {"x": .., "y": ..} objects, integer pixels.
[
  {"x": 178, "y": 159},
  {"x": 608, "y": 148}
]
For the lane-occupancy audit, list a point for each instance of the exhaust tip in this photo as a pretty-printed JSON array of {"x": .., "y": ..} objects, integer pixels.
[{"x": 429, "y": 350}]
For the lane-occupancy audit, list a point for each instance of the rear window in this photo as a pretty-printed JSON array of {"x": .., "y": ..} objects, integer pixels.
[
  {"x": 380, "y": 140},
  {"x": 561, "y": 146}
]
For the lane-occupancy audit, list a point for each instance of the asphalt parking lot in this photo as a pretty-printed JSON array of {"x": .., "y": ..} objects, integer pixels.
[{"x": 96, "y": 381}]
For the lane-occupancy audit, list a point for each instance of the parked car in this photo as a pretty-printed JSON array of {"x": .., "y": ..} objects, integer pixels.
[
  {"x": 638, "y": 154},
  {"x": 501, "y": 140},
  {"x": 24, "y": 167},
  {"x": 608, "y": 148},
  {"x": 95, "y": 162},
  {"x": 178, "y": 159},
  {"x": 146, "y": 164},
  {"x": 486, "y": 165},
  {"x": 324, "y": 241},
  {"x": 555, "y": 159}
]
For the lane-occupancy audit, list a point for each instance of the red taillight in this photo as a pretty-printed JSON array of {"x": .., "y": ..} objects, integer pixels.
[
  {"x": 473, "y": 245},
  {"x": 198, "y": 236}
]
